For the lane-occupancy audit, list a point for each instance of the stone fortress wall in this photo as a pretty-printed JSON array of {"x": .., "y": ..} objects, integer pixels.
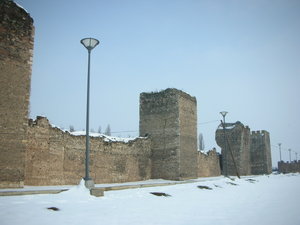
[
  {"x": 35, "y": 153},
  {"x": 169, "y": 117},
  {"x": 251, "y": 152},
  {"x": 208, "y": 164},
  {"x": 238, "y": 140},
  {"x": 289, "y": 167},
  {"x": 260, "y": 152},
  {"x": 16, "y": 49},
  {"x": 56, "y": 157}
]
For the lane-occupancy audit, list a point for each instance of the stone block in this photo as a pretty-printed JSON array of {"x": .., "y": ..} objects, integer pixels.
[{"x": 97, "y": 192}]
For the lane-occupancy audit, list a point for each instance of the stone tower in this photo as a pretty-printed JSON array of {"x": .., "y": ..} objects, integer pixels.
[
  {"x": 16, "y": 47},
  {"x": 239, "y": 142},
  {"x": 261, "y": 162},
  {"x": 169, "y": 117}
]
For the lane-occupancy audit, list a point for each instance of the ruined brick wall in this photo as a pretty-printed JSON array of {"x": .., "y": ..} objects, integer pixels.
[
  {"x": 260, "y": 154},
  {"x": 289, "y": 167},
  {"x": 208, "y": 164},
  {"x": 239, "y": 141},
  {"x": 169, "y": 117},
  {"x": 188, "y": 135},
  {"x": 54, "y": 157},
  {"x": 159, "y": 119},
  {"x": 16, "y": 46}
]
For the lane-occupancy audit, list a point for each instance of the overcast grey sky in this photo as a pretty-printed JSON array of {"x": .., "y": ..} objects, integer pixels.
[{"x": 234, "y": 55}]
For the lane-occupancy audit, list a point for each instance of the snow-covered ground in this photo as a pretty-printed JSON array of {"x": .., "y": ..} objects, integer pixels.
[{"x": 265, "y": 200}]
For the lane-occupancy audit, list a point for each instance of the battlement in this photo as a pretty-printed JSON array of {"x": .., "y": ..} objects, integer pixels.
[
  {"x": 231, "y": 126},
  {"x": 259, "y": 133},
  {"x": 168, "y": 92},
  {"x": 289, "y": 167},
  {"x": 260, "y": 152}
]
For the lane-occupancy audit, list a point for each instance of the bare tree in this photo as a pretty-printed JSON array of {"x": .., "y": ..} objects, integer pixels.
[
  {"x": 107, "y": 130},
  {"x": 72, "y": 129},
  {"x": 99, "y": 130},
  {"x": 201, "y": 142}
]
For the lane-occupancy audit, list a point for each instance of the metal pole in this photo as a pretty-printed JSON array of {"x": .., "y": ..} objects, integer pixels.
[
  {"x": 279, "y": 151},
  {"x": 225, "y": 147},
  {"x": 87, "y": 141},
  {"x": 89, "y": 44}
]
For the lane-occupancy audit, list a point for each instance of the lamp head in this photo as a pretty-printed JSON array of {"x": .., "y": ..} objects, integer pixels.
[
  {"x": 223, "y": 113},
  {"x": 89, "y": 43}
]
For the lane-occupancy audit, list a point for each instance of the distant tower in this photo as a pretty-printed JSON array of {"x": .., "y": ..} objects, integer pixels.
[
  {"x": 169, "y": 118},
  {"x": 16, "y": 47},
  {"x": 238, "y": 137},
  {"x": 261, "y": 162}
]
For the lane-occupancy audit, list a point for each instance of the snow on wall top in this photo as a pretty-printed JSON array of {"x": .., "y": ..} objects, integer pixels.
[
  {"x": 105, "y": 137},
  {"x": 43, "y": 121}
]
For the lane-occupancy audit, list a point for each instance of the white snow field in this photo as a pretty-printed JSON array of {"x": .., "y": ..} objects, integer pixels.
[{"x": 255, "y": 200}]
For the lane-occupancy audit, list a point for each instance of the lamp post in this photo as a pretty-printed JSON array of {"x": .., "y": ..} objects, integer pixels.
[
  {"x": 224, "y": 113},
  {"x": 279, "y": 144},
  {"x": 89, "y": 44}
]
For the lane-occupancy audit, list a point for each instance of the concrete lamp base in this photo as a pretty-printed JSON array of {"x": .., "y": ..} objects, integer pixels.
[{"x": 89, "y": 184}]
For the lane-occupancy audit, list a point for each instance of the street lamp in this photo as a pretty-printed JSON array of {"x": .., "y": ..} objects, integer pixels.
[
  {"x": 224, "y": 113},
  {"x": 279, "y": 144},
  {"x": 89, "y": 43}
]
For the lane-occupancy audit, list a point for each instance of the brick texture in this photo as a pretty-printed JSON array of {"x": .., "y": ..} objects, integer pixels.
[
  {"x": 55, "y": 157},
  {"x": 251, "y": 151},
  {"x": 169, "y": 117},
  {"x": 16, "y": 45},
  {"x": 208, "y": 164}
]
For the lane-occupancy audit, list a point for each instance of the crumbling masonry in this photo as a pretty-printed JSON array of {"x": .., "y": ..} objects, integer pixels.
[
  {"x": 260, "y": 152},
  {"x": 243, "y": 152},
  {"x": 170, "y": 119},
  {"x": 16, "y": 45},
  {"x": 35, "y": 153},
  {"x": 289, "y": 167}
]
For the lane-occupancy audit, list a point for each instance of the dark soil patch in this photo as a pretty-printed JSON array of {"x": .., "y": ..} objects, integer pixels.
[
  {"x": 204, "y": 187},
  {"x": 232, "y": 183},
  {"x": 160, "y": 194},
  {"x": 53, "y": 208},
  {"x": 251, "y": 180}
]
